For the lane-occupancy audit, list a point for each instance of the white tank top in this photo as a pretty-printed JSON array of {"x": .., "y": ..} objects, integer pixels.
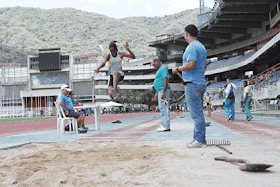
[
  {"x": 116, "y": 64},
  {"x": 207, "y": 98}
]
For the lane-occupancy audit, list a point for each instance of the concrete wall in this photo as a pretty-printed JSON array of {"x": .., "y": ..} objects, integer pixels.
[
  {"x": 9, "y": 89},
  {"x": 82, "y": 88}
]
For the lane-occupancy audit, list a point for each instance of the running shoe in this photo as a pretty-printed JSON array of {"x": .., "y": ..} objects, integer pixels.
[
  {"x": 249, "y": 119},
  {"x": 85, "y": 127},
  {"x": 229, "y": 117},
  {"x": 196, "y": 144},
  {"x": 82, "y": 129},
  {"x": 162, "y": 129}
]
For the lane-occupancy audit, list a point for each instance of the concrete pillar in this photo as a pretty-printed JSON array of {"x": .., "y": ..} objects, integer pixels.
[
  {"x": 93, "y": 88},
  {"x": 1, "y": 82}
]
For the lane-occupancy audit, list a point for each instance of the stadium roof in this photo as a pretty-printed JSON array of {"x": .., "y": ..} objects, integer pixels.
[{"x": 228, "y": 20}]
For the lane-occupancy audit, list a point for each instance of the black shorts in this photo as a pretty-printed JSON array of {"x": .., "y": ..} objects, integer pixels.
[{"x": 112, "y": 79}]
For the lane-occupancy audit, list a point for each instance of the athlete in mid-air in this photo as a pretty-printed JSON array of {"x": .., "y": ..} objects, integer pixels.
[{"x": 115, "y": 71}]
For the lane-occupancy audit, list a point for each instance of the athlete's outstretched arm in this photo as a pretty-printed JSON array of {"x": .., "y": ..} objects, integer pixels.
[
  {"x": 130, "y": 55},
  {"x": 103, "y": 64}
]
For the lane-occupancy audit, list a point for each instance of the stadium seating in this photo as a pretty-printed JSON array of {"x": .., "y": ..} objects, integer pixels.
[
  {"x": 228, "y": 62},
  {"x": 212, "y": 89},
  {"x": 52, "y": 78}
]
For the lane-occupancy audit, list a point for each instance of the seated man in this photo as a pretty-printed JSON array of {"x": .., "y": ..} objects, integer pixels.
[
  {"x": 71, "y": 96},
  {"x": 67, "y": 107}
]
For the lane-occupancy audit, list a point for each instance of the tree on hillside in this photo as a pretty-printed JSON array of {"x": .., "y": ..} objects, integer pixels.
[{"x": 133, "y": 97}]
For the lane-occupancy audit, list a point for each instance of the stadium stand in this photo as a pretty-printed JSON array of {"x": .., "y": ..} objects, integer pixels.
[
  {"x": 50, "y": 78},
  {"x": 229, "y": 62}
]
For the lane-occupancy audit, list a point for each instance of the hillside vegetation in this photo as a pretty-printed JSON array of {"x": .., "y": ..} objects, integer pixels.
[{"x": 27, "y": 29}]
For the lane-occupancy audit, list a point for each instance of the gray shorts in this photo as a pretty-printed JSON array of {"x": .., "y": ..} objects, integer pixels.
[{"x": 73, "y": 114}]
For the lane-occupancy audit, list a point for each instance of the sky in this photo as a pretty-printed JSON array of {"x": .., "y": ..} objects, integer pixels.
[{"x": 114, "y": 8}]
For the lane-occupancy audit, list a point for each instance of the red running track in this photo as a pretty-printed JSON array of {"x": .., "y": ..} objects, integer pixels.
[
  {"x": 267, "y": 135},
  {"x": 7, "y": 129},
  {"x": 131, "y": 132}
]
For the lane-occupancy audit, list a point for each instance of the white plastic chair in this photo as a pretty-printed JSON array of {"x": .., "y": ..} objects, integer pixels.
[{"x": 62, "y": 118}]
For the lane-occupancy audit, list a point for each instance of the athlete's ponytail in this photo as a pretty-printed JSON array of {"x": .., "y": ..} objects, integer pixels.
[{"x": 112, "y": 44}]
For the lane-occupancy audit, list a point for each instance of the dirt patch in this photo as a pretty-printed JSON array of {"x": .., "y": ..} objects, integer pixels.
[{"x": 128, "y": 163}]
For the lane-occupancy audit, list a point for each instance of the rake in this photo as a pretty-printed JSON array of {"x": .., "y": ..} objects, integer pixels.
[{"x": 218, "y": 143}]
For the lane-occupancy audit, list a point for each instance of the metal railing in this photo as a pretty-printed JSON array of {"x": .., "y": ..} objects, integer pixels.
[
  {"x": 273, "y": 33},
  {"x": 268, "y": 77},
  {"x": 230, "y": 62},
  {"x": 210, "y": 16}
]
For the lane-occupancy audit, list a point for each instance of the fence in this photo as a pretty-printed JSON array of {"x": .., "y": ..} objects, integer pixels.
[
  {"x": 12, "y": 107},
  {"x": 268, "y": 77},
  {"x": 273, "y": 33},
  {"x": 231, "y": 61},
  {"x": 204, "y": 18}
]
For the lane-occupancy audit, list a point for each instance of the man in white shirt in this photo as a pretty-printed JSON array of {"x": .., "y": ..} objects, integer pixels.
[
  {"x": 230, "y": 94},
  {"x": 247, "y": 99}
]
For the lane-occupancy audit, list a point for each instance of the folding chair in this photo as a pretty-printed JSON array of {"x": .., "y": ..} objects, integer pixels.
[{"x": 61, "y": 118}]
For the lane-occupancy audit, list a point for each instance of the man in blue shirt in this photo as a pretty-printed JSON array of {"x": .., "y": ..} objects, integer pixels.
[
  {"x": 68, "y": 109},
  {"x": 194, "y": 64},
  {"x": 163, "y": 92}
]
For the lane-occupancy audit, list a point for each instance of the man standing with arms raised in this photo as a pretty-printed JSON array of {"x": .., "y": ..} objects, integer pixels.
[
  {"x": 162, "y": 94},
  {"x": 194, "y": 64}
]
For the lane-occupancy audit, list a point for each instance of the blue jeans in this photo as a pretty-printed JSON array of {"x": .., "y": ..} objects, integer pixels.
[
  {"x": 247, "y": 106},
  {"x": 229, "y": 104},
  {"x": 164, "y": 110},
  {"x": 194, "y": 99}
]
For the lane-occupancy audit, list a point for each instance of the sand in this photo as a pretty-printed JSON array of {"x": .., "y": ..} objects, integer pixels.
[{"x": 131, "y": 163}]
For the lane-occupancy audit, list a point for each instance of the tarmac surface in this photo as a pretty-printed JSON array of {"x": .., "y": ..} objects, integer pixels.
[
  {"x": 255, "y": 140},
  {"x": 260, "y": 130}
]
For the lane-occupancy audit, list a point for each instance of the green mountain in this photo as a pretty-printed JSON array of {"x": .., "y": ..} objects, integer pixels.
[{"x": 79, "y": 32}]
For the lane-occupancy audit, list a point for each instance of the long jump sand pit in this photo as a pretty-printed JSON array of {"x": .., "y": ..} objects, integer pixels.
[{"x": 129, "y": 163}]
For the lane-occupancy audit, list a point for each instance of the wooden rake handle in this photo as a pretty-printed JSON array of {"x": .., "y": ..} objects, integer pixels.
[{"x": 226, "y": 159}]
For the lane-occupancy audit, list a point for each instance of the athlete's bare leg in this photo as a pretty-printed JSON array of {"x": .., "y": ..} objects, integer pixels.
[
  {"x": 209, "y": 110},
  {"x": 116, "y": 76},
  {"x": 110, "y": 91}
]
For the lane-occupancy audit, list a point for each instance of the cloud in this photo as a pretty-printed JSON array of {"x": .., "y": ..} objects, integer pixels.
[
  {"x": 149, "y": 8},
  {"x": 179, "y": 5},
  {"x": 133, "y": 1},
  {"x": 88, "y": 7},
  {"x": 104, "y": 2}
]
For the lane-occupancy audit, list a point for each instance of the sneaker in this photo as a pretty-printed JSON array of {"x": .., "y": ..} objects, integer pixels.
[
  {"x": 196, "y": 144},
  {"x": 162, "y": 129},
  {"x": 249, "y": 119},
  {"x": 85, "y": 127},
  {"x": 82, "y": 129},
  {"x": 192, "y": 141},
  {"x": 207, "y": 124},
  {"x": 229, "y": 117}
]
